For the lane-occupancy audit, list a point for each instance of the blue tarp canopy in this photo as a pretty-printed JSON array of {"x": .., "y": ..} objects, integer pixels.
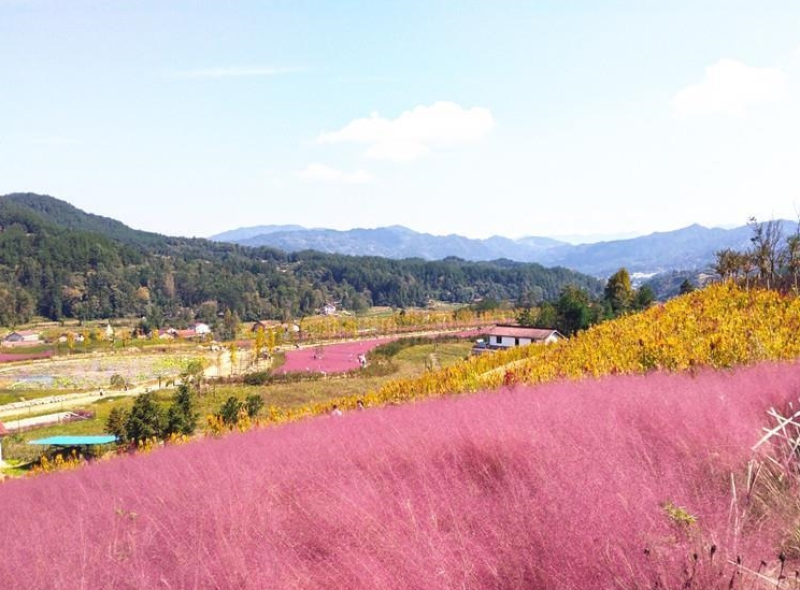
[{"x": 75, "y": 441}]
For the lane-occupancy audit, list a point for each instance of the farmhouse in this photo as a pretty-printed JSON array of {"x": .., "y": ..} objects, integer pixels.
[
  {"x": 505, "y": 336},
  {"x": 22, "y": 338},
  {"x": 76, "y": 337},
  {"x": 200, "y": 328}
]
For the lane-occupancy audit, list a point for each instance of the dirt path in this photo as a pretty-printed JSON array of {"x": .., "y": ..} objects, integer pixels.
[{"x": 18, "y": 424}]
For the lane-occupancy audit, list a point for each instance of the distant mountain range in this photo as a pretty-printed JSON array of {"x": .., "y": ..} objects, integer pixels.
[{"x": 690, "y": 248}]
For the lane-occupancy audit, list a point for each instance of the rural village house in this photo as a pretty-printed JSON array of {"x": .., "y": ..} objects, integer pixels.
[
  {"x": 505, "y": 336},
  {"x": 22, "y": 338},
  {"x": 76, "y": 337},
  {"x": 196, "y": 330},
  {"x": 200, "y": 328}
]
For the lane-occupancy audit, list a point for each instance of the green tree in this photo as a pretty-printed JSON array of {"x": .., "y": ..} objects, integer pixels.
[
  {"x": 181, "y": 415},
  {"x": 484, "y": 305},
  {"x": 618, "y": 293},
  {"x": 116, "y": 424},
  {"x": 229, "y": 412},
  {"x": 643, "y": 298},
  {"x": 686, "y": 287},
  {"x": 573, "y": 311},
  {"x": 194, "y": 373},
  {"x": 548, "y": 316},
  {"x": 146, "y": 419},
  {"x": 253, "y": 404},
  {"x": 527, "y": 317},
  {"x": 230, "y": 325}
]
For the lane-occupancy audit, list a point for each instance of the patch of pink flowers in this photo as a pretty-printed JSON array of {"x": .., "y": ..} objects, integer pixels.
[
  {"x": 563, "y": 486},
  {"x": 332, "y": 358},
  {"x": 10, "y": 358}
]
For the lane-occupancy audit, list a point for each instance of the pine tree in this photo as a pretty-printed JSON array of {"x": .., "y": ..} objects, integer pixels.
[{"x": 181, "y": 416}]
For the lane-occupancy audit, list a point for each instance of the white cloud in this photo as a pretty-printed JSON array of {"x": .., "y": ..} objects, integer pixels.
[
  {"x": 415, "y": 132},
  {"x": 729, "y": 87},
  {"x": 323, "y": 173},
  {"x": 235, "y": 72}
]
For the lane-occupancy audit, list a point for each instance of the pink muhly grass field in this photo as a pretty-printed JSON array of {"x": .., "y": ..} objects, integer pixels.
[
  {"x": 335, "y": 358},
  {"x": 32, "y": 356},
  {"x": 557, "y": 486},
  {"x": 340, "y": 358}
]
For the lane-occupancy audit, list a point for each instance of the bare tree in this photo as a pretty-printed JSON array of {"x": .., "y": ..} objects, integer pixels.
[
  {"x": 791, "y": 255},
  {"x": 726, "y": 263},
  {"x": 765, "y": 252}
]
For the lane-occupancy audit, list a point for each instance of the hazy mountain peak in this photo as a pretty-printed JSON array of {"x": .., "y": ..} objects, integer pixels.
[
  {"x": 245, "y": 233},
  {"x": 692, "y": 246}
]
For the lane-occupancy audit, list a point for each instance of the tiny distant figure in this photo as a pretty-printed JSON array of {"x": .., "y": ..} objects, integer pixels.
[
  {"x": 101, "y": 393},
  {"x": 335, "y": 411},
  {"x": 362, "y": 360},
  {"x": 359, "y": 405}
]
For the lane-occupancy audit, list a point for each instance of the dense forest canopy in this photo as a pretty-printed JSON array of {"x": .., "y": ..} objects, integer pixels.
[{"x": 59, "y": 262}]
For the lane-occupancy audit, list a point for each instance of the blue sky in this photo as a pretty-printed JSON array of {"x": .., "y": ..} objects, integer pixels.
[{"x": 476, "y": 118}]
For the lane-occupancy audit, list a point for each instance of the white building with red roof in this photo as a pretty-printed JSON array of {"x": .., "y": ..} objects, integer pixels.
[{"x": 505, "y": 336}]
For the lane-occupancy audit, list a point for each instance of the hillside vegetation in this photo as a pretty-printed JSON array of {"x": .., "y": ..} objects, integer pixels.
[
  {"x": 627, "y": 482},
  {"x": 720, "y": 326},
  {"x": 57, "y": 261}
]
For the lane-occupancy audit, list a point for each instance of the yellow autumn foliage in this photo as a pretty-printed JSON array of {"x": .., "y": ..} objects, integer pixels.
[{"x": 720, "y": 326}]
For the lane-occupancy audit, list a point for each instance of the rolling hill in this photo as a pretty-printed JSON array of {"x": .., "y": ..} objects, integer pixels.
[{"x": 58, "y": 261}]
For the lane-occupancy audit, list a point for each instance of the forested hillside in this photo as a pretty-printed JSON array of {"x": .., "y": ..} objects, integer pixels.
[{"x": 58, "y": 261}]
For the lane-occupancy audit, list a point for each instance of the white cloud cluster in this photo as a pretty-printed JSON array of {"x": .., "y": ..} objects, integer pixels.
[
  {"x": 323, "y": 173},
  {"x": 730, "y": 87},
  {"x": 415, "y": 132}
]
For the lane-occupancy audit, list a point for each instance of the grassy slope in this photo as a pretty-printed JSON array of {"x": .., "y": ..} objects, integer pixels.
[{"x": 572, "y": 485}]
